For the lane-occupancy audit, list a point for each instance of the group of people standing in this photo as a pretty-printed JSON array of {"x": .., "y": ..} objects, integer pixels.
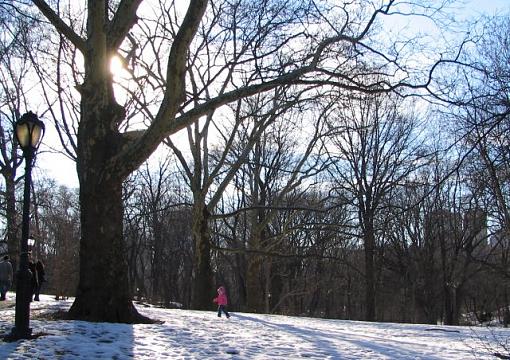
[{"x": 6, "y": 277}]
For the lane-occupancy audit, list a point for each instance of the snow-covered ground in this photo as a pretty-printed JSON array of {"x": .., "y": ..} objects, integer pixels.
[{"x": 202, "y": 335}]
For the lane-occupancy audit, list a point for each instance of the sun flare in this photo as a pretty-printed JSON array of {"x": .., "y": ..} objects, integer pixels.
[{"x": 117, "y": 66}]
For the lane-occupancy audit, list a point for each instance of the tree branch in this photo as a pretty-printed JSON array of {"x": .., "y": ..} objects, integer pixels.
[
  {"x": 174, "y": 92},
  {"x": 61, "y": 26},
  {"x": 123, "y": 20}
]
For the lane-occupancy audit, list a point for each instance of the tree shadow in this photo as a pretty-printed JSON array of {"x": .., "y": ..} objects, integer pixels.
[
  {"x": 55, "y": 336},
  {"x": 326, "y": 342}
]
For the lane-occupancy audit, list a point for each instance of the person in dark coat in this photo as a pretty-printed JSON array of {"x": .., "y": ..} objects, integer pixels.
[
  {"x": 5, "y": 277},
  {"x": 35, "y": 282},
  {"x": 39, "y": 269}
]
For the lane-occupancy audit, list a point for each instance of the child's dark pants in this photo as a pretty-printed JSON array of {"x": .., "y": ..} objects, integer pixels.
[{"x": 224, "y": 309}]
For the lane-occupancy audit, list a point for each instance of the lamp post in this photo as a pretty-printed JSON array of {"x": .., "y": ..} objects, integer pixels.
[{"x": 29, "y": 131}]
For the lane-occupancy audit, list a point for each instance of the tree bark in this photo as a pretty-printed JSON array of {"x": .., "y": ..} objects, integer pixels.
[
  {"x": 103, "y": 292},
  {"x": 203, "y": 290},
  {"x": 254, "y": 286},
  {"x": 158, "y": 268},
  {"x": 255, "y": 277},
  {"x": 369, "y": 271}
]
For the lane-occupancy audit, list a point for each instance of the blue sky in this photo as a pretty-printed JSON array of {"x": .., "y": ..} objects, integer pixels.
[
  {"x": 489, "y": 7},
  {"x": 63, "y": 169}
]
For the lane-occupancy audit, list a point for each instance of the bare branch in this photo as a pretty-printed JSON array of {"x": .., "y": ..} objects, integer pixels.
[
  {"x": 60, "y": 25},
  {"x": 122, "y": 22}
]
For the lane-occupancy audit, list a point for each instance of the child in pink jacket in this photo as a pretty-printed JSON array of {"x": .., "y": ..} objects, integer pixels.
[{"x": 222, "y": 301}]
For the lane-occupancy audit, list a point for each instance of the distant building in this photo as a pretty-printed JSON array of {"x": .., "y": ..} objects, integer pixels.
[
  {"x": 499, "y": 240},
  {"x": 453, "y": 229},
  {"x": 442, "y": 227},
  {"x": 475, "y": 229}
]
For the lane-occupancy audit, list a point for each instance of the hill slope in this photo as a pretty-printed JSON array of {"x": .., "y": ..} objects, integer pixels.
[{"x": 202, "y": 335}]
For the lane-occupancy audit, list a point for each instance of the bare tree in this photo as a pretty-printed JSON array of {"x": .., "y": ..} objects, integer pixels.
[
  {"x": 482, "y": 124},
  {"x": 288, "y": 43},
  {"x": 279, "y": 170},
  {"x": 15, "y": 70},
  {"x": 214, "y": 166},
  {"x": 58, "y": 234},
  {"x": 374, "y": 149},
  {"x": 158, "y": 234}
]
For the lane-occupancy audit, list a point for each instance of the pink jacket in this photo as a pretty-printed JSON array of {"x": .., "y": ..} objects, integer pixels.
[{"x": 222, "y": 297}]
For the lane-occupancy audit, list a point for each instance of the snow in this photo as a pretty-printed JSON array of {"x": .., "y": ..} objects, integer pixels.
[{"x": 187, "y": 334}]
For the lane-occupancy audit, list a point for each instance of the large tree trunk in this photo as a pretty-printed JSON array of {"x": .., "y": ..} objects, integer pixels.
[
  {"x": 255, "y": 289},
  {"x": 254, "y": 284},
  {"x": 369, "y": 239},
  {"x": 203, "y": 288},
  {"x": 103, "y": 291},
  {"x": 158, "y": 268},
  {"x": 255, "y": 294},
  {"x": 453, "y": 299},
  {"x": 105, "y": 157},
  {"x": 448, "y": 304}
]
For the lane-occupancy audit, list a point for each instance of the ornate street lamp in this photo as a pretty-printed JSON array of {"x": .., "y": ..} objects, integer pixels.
[
  {"x": 31, "y": 244},
  {"x": 29, "y": 132}
]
